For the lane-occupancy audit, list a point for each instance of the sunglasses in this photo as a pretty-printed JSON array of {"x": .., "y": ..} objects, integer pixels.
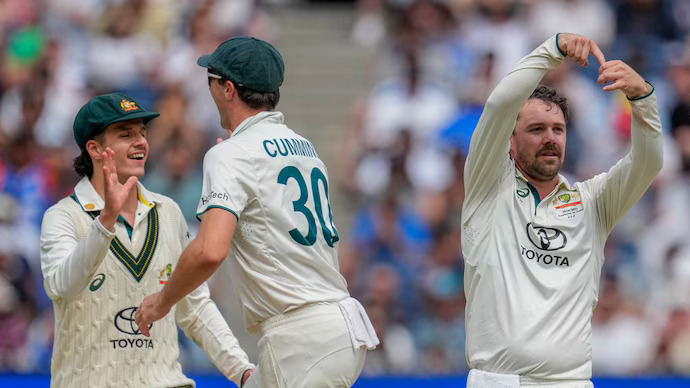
[{"x": 212, "y": 75}]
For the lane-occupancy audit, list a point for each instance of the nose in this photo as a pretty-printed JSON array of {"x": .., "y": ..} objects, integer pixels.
[
  {"x": 140, "y": 140},
  {"x": 549, "y": 136}
]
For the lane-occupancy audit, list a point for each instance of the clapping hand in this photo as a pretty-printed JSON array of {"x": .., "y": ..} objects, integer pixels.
[{"x": 115, "y": 193}]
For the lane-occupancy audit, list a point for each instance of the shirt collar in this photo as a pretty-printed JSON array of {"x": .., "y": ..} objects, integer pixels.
[
  {"x": 90, "y": 201},
  {"x": 268, "y": 117}
]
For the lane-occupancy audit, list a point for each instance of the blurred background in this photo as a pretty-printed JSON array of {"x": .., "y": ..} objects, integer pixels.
[{"x": 389, "y": 91}]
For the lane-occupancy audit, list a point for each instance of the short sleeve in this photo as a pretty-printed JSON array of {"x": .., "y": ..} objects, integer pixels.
[{"x": 228, "y": 179}]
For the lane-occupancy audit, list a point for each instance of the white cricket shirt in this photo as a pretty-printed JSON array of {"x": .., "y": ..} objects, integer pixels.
[
  {"x": 532, "y": 266},
  {"x": 283, "y": 253},
  {"x": 97, "y": 279}
]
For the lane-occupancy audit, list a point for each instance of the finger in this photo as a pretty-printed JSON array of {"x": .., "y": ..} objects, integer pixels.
[
  {"x": 131, "y": 182},
  {"x": 619, "y": 84},
  {"x": 577, "y": 52},
  {"x": 585, "y": 52},
  {"x": 218, "y": 140},
  {"x": 596, "y": 51},
  {"x": 110, "y": 160},
  {"x": 610, "y": 75},
  {"x": 141, "y": 324},
  {"x": 144, "y": 328}
]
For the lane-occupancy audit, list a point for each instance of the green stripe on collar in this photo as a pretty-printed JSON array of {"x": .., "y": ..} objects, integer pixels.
[{"x": 137, "y": 266}]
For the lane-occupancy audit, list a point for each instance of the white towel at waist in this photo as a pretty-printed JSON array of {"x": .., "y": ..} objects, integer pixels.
[
  {"x": 361, "y": 330},
  {"x": 480, "y": 379}
]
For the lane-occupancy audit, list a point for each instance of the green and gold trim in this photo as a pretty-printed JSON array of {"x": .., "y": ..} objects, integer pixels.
[{"x": 136, "y": 266}]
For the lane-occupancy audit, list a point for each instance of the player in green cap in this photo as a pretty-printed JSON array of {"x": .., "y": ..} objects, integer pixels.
[
  {"x": 106, "y": 246},
  {"x": 265, "y": 200}
]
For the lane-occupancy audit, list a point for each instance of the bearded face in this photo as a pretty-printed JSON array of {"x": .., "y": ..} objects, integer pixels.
[{"x": 538, "y": 142}]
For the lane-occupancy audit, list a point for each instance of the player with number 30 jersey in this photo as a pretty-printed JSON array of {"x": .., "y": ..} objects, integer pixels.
[
  {"x": 265, "y": 201},
  {"x": 283, "y": 248}
]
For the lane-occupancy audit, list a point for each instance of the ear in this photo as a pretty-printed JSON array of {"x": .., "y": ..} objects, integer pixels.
[
  {"x": 94, "y": 149},
  {"x": 230, "y": 90}
]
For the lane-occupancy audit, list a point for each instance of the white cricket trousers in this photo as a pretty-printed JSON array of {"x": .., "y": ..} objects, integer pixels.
[
  {"x": 481, "y": 379},
  {"x": 309, "y": 347}
]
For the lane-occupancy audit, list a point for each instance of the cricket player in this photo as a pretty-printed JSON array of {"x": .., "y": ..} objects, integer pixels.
[
  {"x": 104, "y": 248},
  {"x": 265, "y": 199},
  {"x": 533, "y": 243}
]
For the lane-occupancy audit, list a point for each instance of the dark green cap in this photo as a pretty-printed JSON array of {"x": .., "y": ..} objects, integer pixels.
[
  {"x": 104, "y": 110},
  {"x": 248, "y": 62}
]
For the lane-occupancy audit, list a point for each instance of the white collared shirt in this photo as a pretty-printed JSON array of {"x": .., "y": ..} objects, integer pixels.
[
  {"x": 283, "y": 253},
  {"x": 532, "y": 265},
  {"x": 97, "y": 279}
]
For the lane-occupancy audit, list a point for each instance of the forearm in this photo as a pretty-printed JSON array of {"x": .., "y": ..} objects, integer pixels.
[
  {"x": 647, "y": 143},
  {"x": 200, "y": 319},
  {"x": 625, "y": 183},
  {"x": 490, "y": 140},
  {"x": 68, "y": 265},
  {"x": 193, "y": 269}
]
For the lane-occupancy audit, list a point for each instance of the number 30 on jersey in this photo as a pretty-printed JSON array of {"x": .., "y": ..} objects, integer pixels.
[{"x": 329, "y": 231}]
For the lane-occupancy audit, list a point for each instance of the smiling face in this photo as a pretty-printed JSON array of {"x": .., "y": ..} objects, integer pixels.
[
  {"x": 538, "y": 142},
  {"x": 128, "y": 140}
]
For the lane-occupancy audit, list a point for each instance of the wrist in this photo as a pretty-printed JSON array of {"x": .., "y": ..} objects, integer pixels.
[
  {"x": 245, "y": 376},
  {"x": 641, "y": 93},
  {"x": 107, "y": 219}
]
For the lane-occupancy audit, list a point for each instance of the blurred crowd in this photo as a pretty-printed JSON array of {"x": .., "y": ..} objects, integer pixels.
[{"x": 399, "y": 162}]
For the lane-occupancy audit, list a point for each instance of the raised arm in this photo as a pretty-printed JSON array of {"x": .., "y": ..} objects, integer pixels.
[
  {"x": 68, "y": 264},
  {"x": 68, "y": 260},
  {"x": 488, "y": 154},
  {"x": 617, "y": 190}
]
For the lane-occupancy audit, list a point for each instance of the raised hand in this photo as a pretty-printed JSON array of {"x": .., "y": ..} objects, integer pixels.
[
  {"x": 578, "y": 48},
  {"x": 623, "y": 78},
  {"x": 115, "y": 193}
]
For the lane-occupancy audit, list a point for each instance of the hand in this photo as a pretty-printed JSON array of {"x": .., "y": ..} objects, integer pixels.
[
  {"x": 624, "y": 79},
  {"x": 578, "y": 48},
  {"x": 150, "y": 310},
  {"x": 115, "y": 193},
  {"x": 245, "y": 376}
]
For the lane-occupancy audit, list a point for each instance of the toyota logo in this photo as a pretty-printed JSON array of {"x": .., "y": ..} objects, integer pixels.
[
  {"x": 547, "y": 239},
  {"x": 124, "y": 321}
]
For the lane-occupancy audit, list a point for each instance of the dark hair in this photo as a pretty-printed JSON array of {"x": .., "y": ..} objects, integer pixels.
[
  {"x": 253, "y": 98},
  {"x": 550, "y": 96},
  {"x": 258, "y": 100},
  {"x": 83, "y": 165}
]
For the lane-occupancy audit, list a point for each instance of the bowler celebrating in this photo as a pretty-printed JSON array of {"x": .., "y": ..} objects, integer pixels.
[{"x": 533, "y": 243}]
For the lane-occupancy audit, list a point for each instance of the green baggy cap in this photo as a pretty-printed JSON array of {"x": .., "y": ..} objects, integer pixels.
[
  {"x": 248, "y": 62},
  {"x": 104, "y": 110}
]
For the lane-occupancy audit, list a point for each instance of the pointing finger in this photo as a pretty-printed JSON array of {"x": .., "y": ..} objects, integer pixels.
[{"x": 596, "y": 51}]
